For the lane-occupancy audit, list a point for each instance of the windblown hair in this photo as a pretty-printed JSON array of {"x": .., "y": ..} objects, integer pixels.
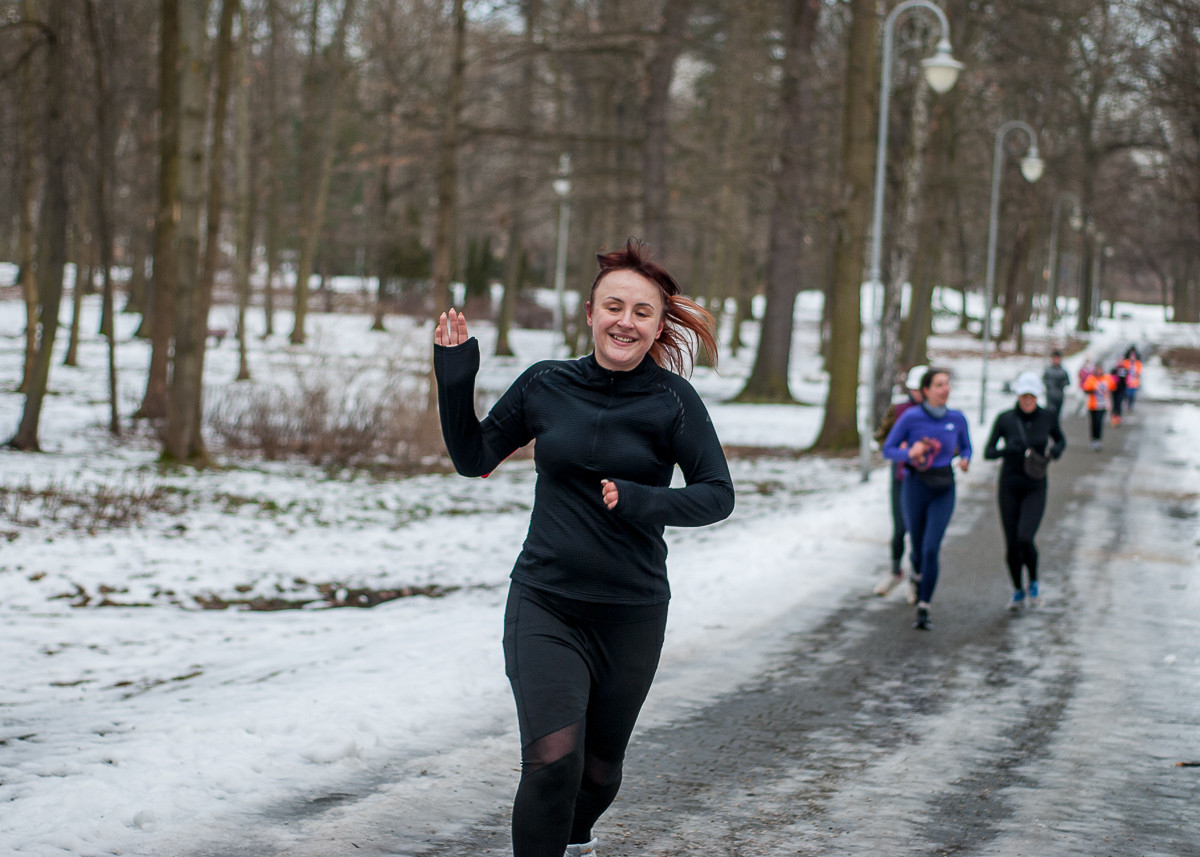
[{"x": 674, "y": 349}]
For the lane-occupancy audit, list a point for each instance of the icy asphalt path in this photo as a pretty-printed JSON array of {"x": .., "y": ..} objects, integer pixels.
[{"x": 837, "y": 729}]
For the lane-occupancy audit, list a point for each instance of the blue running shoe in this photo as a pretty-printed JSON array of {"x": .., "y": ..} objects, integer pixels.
[
  {"x": 1018, "y": 598},
  {"x": 1034, "y": 598}
]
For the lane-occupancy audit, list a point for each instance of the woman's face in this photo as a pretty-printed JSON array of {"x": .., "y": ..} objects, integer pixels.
[
  {"x": 938, "y": 390},
  {"x": 626, "y": 317},
  {"x": 1027, "y": 402}
]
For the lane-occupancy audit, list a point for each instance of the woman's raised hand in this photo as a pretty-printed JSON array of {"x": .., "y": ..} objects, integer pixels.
[{"x": 451, "y": 329}]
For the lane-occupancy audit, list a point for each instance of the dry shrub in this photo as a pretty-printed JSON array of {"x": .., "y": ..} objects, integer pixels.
[
  {"x": 1181, "y": 358},
  {"x": 84, "y": 506},
  {"x": 351, "y": 419}
]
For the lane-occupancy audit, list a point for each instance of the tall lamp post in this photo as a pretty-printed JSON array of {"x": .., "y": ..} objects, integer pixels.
[
  {"x": 941, "y": 73},
  {"x": 1076, "y": 220},
  {"x": 562, "y": 187},
  {"x": 1031, "y": 168}
]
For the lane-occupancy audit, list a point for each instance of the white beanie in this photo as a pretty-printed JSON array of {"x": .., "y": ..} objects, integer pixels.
[
  {"x": 1028, "y": 383},
  {"x": 915, "y": 374}
]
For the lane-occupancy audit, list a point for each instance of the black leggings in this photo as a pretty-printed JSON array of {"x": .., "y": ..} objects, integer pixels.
[
  {"x": 898, "y": 529},
  {"x": 1097, "y": 423},
  {"x": 580, "y": 672},
  {"x": 1022, "y": 504}
]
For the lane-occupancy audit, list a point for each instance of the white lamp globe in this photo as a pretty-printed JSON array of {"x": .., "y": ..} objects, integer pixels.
[{"x": 941, "y": 69}]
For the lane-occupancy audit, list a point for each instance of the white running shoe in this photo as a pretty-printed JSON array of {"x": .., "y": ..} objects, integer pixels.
[
  {"x": 914, "y": 589},
  {"x": 587, "y": 849},
  {"x": 887, "y": 583}
]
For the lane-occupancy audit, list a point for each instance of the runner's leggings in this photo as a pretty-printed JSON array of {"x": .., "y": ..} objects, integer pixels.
[
  {"x": 580, "y": 672},
  {"x": 1096, "y": 423},
  {"x": 927, "y": 514},
  {"x": 897, "y": 523},
  {"x": 1022, "y": 503}
]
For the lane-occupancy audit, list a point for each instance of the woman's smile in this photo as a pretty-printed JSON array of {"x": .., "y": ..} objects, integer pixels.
[{"x": 626, "y": 317}]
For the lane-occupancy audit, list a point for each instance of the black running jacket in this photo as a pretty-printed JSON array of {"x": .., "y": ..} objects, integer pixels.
[{"x": 592, "y": 424}]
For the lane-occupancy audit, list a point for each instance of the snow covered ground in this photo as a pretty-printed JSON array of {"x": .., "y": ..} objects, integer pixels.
[{"x": 151, "y": 724}]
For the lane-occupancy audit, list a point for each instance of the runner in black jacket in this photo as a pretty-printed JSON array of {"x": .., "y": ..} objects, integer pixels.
[
  {"x": 1027, "y": 431},
  {"x": 587, "y": 607}
]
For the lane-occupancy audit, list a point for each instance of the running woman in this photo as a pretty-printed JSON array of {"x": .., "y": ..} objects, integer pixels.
[
  {"x": 912, "y": 386},
  {"x": 587, "y": 605},
  {"x": 1019, "y": 436},
  {"x": 927, "y": 439}
]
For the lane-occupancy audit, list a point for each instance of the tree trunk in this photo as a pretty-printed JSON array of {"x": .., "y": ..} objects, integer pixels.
[
  {"x": 902, "y": 254},
  {"x": 383, "y": 234},
  {"x": 244, "y": 205},
  {"x": 274, "y": 160},
  {"x": 52, "y": 231},
  {"x": 514, "y": 256},
  {"x": 444, "y": 239},
  {"x": 853, "y": 198},
  {"x": 447, "y": 184},
  {"x": 1013, "y": 307},
  {"x": 188, "y": 357},
  {"x": 105, "y": 150},
  {"x": 323, "y": 88},
  {"x": 768, "y": 381},
  {"x": 27, "y": 164},
  {"x": 668, "y": 44},
  {"x": 223, "y": 61},
  {"x": 83, "y": 276},
  {"x": 166, "y": 224},
  {"x": 243, "y": 197}
]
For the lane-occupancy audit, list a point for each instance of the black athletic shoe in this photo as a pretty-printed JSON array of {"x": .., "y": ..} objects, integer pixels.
[{"x": 923, "y": 622}]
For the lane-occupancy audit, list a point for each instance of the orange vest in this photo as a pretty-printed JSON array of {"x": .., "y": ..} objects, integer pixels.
[
  {"x": 1134, "y": 379},
  {"x": 1097, "y": 387}
]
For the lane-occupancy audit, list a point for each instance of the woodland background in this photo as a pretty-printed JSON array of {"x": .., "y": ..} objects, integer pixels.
[{"x": 177, "y": 153}]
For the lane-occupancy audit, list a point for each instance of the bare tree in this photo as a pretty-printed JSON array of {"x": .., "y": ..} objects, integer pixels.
[
  {"x": 105, "y": 146},
  {"x": 243, "y": 195},
  {"x": 667, "y": 46},
  {"x": 28, "y": 166},
  {"x": 839, "y": 429},
  {"x": 768, "y": 380},
  {"x": 444, "y": 231},
  {"x": 514, "y": 255},
  {"x": 166, "y": 227},
  {"x": 52, "y": 228},
  {"x": 323, "y": 88}
]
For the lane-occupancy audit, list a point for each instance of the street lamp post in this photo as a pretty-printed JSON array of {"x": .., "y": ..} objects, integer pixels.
[
  {"x": 1031, "y": 168},
  {"x": 1052, "y": 282},
  {"x": 941, "y": 72},
  {"x": 562, "y": 187}
]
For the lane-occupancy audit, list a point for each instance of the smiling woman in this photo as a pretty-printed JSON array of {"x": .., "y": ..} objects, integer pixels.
[{"x": 587, "y": 609}]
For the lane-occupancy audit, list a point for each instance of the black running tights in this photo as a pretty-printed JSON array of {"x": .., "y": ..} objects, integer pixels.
[
  {"x": 898, "y": 529},
  {"x": 1022, "y": 504},
  {"x": 580, "y": 672}
]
